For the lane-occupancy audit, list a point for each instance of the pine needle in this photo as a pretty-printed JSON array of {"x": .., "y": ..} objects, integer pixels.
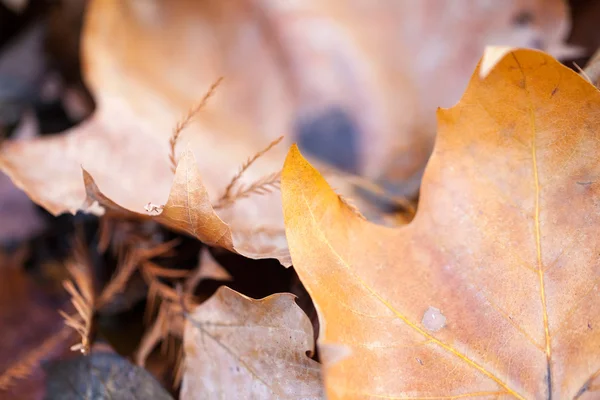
[
  {"x": 179, "y": 367},
  {"x": 592, "y": 69},
  {"x": 133, "y": 259},
  {"x": 226, "y": 197},
  {"x": 168, "y": 325},
  {"x": 583, "y": 73},
  {"x": 157, "y": 290},
  {"x": 106, "y": 228},
  {"x": 81, "y": 289},
  {"x": 152, "y": 336},
  {"x": 264, "y": 185},
  {"x": 183, "y": 123},
  {"x": 27, "y": 364},
  {"x": 117, "y": 284},
  {"x": 158, "y": 271}
]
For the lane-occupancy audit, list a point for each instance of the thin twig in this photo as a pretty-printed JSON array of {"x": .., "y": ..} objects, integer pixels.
[
  {"x": 244, "y": 167},
  {"x": 133, "y": 259},
  {"x": 183, "y": 123}
]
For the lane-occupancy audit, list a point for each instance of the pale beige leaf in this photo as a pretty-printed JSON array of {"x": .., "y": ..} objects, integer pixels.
[{"x": 240, "y": 348}]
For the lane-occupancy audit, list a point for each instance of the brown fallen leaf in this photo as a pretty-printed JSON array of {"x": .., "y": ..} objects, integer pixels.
[
  {"x": 149, "y": 106},
  {"x": 492, "y": 290},
  {"x": 189, "y": 210},
  {"x": 338, "y": 76},
  {"x": 238, "y": 347}
]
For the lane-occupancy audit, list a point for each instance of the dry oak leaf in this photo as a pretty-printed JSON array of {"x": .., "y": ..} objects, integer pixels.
[
  {"x": 189, "y": 210},
  {"x": 492, "y": 290},
  {"x": 143, "y": 83},
  {"x": 148, "y": 62},
  {"x": 240, "y": 348}
]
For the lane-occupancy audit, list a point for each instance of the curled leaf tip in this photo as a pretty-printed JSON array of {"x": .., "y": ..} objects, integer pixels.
[{"x": 491, "y": 57}]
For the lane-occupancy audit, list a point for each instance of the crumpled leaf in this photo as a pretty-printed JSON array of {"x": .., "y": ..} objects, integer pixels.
[
  {"x": 101, "y": 375},
  {"x": 492, "y": 290},
  {"x": 189, "y": 210},
  {"x": 124, "y": 147},
  {"x": 238, "y": 347},
  {"x": 341, "y": 77}
]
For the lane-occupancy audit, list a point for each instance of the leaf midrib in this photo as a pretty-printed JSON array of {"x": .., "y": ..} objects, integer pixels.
[{"x": 401, "y": 316}]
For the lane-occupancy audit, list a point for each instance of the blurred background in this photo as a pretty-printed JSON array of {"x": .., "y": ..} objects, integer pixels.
[{"x": 355, "y": 83}]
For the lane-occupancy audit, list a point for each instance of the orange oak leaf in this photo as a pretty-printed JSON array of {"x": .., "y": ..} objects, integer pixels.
[
  {"x": 240, "y": 348},
  {"x": 492, "y": 290}
]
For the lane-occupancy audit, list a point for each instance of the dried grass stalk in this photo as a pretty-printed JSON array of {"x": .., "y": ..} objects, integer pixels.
[
  {"x": 264, "y": 185},
  {"x": 81, "y": 290},
  {"x": 28, "y": 363},
  {"x": 185, "y": 121},
  {"x": 83, "y": 297},
  {"x": 245, "y": 166}
]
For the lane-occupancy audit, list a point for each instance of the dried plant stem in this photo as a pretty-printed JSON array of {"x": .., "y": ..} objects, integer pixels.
[
  {"x": 82, "y": 297},
  {"x": 592, "y": 69},
  {"x": 583, "y": 73},
  {"x": 106, "y": 228},
  {"x": 133, "y": 259},
  {"x": 156, "y": 289},
  {"x": 119, "y": 281},
  {"x": 168, "y": 323},
  {"x": 264, "y": 185},
  {"x": 247, "y": 165},
  {"x": 81, "y": 289},
  {"x": 185, "y": 121},
  {"x": 26, "y": 365}
]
